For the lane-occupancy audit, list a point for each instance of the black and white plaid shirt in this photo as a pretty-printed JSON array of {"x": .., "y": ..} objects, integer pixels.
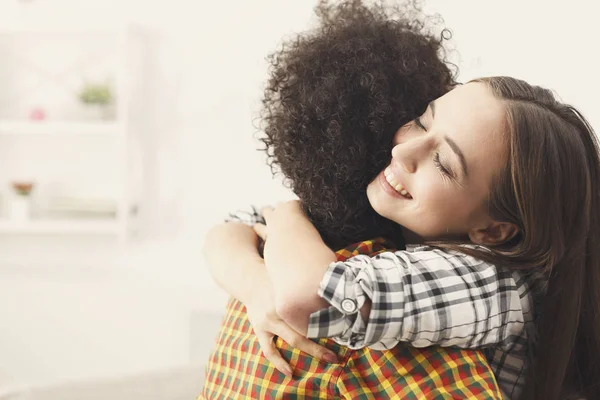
[{"x": 425, "y": 296}]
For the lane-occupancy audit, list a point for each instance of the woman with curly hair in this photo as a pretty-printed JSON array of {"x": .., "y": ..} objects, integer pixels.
[{"x": 331, "y": 110}]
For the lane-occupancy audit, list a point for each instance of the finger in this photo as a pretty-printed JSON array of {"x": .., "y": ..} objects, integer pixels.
[
  {"x": 297, "y": 341},
  {"x": 272, "y": 354},
  {"x": 261, "y": 230}
]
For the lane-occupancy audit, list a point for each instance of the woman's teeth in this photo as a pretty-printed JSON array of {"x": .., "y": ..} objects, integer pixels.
[{"x": 389, "y": 177}]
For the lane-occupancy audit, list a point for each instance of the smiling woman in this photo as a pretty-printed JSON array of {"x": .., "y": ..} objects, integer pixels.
[{"x": 440, "y": 164}]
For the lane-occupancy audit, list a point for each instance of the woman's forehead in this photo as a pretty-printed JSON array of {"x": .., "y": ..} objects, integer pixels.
[
  {"x": 472, "y": 108},
  {"x": 474, "y": 118}
]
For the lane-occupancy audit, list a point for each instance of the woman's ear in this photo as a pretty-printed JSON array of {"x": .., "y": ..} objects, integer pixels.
[{"x": 494, "y": 233}]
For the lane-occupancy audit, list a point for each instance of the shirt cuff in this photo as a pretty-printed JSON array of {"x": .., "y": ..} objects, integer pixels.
[{"x": 342, "y": 321}]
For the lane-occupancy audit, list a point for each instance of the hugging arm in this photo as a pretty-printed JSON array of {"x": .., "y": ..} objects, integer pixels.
[
  {"x": 236, "y": 272},
  {"x": 423, "y": 297},
  {"x": 231, "y": 251}
]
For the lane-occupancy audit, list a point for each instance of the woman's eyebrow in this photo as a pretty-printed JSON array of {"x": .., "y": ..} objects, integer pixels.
[
  {"x": 459, "y": 153},
  {"x": 432, "y": 106}
]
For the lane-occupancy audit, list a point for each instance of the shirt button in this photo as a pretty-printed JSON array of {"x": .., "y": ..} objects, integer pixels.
[{"x": 349, "y": 305}]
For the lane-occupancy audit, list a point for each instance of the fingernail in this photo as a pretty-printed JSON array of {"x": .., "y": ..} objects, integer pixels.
[
  {"x": 289, "y": 372},
  {"x": 330, "y": 357}
]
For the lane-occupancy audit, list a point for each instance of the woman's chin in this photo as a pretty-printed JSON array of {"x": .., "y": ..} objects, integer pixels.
[
  {"x": 385, "y": 205},
  {"x": 381, "y": 204}
]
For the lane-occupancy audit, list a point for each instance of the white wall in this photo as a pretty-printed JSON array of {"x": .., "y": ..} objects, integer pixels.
[{"x": 546, "y": 42}]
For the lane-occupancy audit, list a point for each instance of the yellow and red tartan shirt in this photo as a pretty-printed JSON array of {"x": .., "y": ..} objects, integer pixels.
[{"x": 237, "y": 368}]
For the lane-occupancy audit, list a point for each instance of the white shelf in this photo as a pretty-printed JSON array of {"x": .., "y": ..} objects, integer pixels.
[
  {"x": 61, "y": 227},
  {"x": 123, "y": 49},
  {"x": 59, "y": 128}
]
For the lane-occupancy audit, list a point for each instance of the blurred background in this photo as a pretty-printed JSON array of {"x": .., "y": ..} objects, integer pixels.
[{"x": 126, "y": 130}]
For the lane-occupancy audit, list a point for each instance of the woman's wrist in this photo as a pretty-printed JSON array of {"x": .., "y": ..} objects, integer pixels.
[{"x": 232, "y": 257}]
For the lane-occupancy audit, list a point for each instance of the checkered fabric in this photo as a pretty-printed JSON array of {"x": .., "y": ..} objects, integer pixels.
[
  {"x": 237, "y": 368},
  {"x": 425, "y": 296}
]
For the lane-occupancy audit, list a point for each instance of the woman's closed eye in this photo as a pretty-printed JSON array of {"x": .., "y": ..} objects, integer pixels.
[
  {"x": 445, "y": 170},
  {"x": 420, "y": 124},
  {"x": 436, "y": 157}
]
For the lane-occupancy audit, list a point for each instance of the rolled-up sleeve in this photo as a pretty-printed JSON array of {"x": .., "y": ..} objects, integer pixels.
[{"x": 426, "y": 296}]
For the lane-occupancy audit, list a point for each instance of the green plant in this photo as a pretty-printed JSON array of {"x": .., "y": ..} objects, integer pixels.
[{"x": 96, "y": 94}]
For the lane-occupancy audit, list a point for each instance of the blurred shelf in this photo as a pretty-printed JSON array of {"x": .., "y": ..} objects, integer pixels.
[
  {"x": 61, "y": 227},
  {"x": 24, "y": 128}
]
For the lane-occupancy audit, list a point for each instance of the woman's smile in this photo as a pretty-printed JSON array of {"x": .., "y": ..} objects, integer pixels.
[{"x": 392, "y": 186}]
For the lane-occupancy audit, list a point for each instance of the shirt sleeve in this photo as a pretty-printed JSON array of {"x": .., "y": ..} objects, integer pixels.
[
  {"x": 249, "y": 216},
  {"x": 423, "y": 297}
]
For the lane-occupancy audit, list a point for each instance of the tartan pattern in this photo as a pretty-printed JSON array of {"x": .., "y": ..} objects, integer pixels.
[
  {"x": 237, "y": 368},
  {"x": 426, "y": 296}
]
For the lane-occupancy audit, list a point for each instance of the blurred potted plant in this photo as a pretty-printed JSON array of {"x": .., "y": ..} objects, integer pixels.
[
  {"x": 98, "y": 100},
  {"x": 20, "y": 207}
]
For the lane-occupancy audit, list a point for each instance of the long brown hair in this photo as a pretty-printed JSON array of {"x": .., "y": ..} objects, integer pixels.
[{"x": 550, "y": 189}]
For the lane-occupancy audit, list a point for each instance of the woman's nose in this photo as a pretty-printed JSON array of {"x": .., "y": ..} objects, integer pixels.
[{"x": 410, "y": 153}]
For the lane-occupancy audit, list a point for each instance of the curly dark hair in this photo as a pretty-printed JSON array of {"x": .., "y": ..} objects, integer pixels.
[{"x": 334, "y": 100}]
